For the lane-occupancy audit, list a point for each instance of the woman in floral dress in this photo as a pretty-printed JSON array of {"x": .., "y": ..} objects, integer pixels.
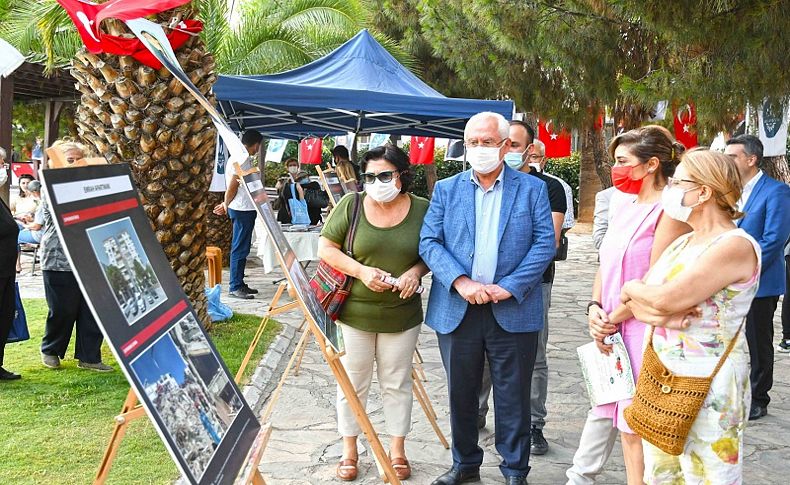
[{"x": 697, "y": 296}]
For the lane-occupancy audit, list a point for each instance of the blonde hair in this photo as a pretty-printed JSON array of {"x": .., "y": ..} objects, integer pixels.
[{"x": 719, "y": 172}]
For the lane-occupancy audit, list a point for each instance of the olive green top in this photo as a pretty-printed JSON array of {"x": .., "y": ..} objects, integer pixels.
[{"x": 392, "y": 249}]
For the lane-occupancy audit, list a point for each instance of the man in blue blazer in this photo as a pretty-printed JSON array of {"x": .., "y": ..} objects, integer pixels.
[
  {"x": 487, "y": 238},
  {"x": 766, "y": 203}
]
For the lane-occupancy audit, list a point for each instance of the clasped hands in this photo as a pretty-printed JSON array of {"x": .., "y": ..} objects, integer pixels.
[{"x": 477, "y": 293}]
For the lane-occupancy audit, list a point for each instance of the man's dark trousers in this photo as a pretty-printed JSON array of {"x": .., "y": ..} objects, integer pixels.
[
  {"x": 760, "y": 337},
  {"x": 67, "y": 306},
  {"x": 511, "y": 357}
]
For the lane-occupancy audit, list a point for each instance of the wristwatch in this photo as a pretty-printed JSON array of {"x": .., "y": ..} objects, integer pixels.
[{"x": 591, "y": 303}]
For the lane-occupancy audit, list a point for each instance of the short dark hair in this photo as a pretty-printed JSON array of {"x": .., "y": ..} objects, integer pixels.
[
  {"x": 525, "y": 125},
  {"x": 251, "y": 137},
  {"x": 26, "y": 176},
  {"x": 340, "y": 151},
  {"x": 290, "y": 161},
  {"x": 751, "y": 145},
  {"x": 395, "y": 156},
  {"x": 651, "y": 141}
]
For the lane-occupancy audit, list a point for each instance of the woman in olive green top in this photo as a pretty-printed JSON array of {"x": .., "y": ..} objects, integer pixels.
[{"x": 380, "y": 322}]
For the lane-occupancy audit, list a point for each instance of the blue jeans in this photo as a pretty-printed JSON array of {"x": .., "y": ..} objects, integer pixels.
[{"x": 243, "y": 224}]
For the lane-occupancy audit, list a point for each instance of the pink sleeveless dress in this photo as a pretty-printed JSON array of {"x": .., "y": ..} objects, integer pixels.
[{"x": 625, "y": 255}]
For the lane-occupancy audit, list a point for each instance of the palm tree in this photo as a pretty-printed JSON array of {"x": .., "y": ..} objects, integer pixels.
[{"x": 131, "y": 113}]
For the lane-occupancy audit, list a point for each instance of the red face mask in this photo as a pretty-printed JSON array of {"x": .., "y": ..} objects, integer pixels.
[{"x": 621, "y": 178}]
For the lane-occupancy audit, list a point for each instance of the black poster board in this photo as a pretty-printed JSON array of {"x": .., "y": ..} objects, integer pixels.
[
  {"x": 153, "y": 331},
  {"x": 297, "y": 278}
]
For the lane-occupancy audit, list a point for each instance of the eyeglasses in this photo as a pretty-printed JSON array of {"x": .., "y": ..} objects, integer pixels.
[
  {"x": 673, "y": 182},
  {"x": 535, "y": 158},
  {"x": 384, "y": 177},
  {"x": 483, "y": 143}
]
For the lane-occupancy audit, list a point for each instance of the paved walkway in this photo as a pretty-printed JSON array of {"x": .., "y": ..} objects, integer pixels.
[{"x": 304, "y": 447}]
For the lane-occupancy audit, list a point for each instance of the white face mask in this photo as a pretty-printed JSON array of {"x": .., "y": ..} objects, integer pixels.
[
  {"x": 382, "y": 191},
  {"x": 483, "y": 159},
  {"x": 293, "y": 170},
  {"x": 672, "y": 201},
  {"x": 536, "y": 166}
]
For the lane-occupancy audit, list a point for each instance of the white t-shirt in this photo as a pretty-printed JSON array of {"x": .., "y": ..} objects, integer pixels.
[{"x": 241, "y": 202}]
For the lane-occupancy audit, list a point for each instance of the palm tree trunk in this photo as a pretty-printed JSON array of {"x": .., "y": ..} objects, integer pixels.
[{"x": 130, "y": 113}]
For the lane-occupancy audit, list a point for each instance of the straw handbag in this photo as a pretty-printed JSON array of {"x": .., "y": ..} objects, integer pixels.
[{"x": 666, "y": 405}]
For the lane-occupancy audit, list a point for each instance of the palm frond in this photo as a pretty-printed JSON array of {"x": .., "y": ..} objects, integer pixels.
[
  {"x": 216, "y": 30},
  {"x": 42, "y": 31},
  {"x": 346, "y": 15}
]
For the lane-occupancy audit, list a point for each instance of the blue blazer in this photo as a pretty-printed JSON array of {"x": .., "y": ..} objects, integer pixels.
[
  {"x": 767, "y": 220},
  {"x": 526, "y": 247}
]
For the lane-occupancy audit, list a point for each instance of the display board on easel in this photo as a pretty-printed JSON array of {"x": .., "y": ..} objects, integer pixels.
[
  {"x": 332, "y": 185},
  {"x": 149, "y": 324}
]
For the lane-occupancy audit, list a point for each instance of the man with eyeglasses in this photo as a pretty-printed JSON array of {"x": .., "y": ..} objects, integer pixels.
[{"x": 488, "y": 238}]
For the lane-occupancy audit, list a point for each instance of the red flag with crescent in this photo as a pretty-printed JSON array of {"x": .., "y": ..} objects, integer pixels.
[
  {"x": 558, "y": 144},
  {"x": 421, "y": 150},
  {"x": 87, "y": 18},
  {"x": 310, "y": 151},
  {"x": 686, "y": 125}
]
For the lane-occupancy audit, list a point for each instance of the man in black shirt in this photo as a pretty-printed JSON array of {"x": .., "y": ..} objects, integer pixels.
[{"x": 521, "y": 137}]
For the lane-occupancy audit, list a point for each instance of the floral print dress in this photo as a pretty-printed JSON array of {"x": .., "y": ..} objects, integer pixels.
[{"x": 713, "y": 454}]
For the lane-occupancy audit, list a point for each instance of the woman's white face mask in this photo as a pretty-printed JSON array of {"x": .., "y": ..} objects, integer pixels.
[
  {"x": 672, "y": 202},
  {"x": 382, "y": 191}
]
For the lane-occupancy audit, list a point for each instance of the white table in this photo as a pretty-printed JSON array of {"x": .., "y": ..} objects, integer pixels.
[{"x": 304, "y": 245}]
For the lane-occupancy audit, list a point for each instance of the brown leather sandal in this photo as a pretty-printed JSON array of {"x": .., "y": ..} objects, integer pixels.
[
  {"x": 402, "y": 468},
  {"x": 347, "y": 470}
]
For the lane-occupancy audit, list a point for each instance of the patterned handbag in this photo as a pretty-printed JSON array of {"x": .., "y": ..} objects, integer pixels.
[
  {"x": 331, "y": 286},
  {"x": 666, "y": 405}
]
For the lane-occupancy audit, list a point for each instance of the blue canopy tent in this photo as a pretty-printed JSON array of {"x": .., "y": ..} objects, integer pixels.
[{"x": 359, "y": 87}]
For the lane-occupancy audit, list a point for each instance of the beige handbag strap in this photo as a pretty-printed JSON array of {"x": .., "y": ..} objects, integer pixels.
[{"x": 723, "y": 356}]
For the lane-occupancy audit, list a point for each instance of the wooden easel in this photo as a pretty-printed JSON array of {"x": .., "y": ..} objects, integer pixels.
[{"x": 418, "y": 389}]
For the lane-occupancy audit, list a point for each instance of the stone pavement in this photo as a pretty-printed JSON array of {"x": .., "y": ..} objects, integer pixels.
[{"x": 304, "y": 446}]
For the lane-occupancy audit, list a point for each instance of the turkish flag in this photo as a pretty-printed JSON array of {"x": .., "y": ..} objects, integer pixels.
[
  {"x": 558, "y": 145},
  {"x": 310, "y": 151},
  {"x": 22, "y": 168},
  {"x": 421, "y": 150},
  {"x": 87, "y": 17},
  {"x": 686, "y": 125}
]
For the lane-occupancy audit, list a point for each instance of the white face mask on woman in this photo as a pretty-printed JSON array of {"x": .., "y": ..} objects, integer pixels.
[
  {"x": 672, "y": 202},
  {"x": 382, "y": 191},
  {"x": 483, "y": 159},
  {"x": 293, "y": 170}
]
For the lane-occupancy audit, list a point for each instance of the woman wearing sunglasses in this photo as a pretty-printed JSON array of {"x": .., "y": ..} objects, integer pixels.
[{"x": 380, "y": 321}]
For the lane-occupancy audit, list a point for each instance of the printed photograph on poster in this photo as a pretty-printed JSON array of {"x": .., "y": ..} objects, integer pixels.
[
  {"x": 126, "y": 268},
  {"x": 195, "y": 400},
  {"x": 273, "y": 228},
  {"x": 302, "y": 287}
]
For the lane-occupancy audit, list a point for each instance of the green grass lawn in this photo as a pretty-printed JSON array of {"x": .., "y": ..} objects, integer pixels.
[{"x": 55, "y": 424}]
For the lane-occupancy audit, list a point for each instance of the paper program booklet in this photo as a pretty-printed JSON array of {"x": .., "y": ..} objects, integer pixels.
[{"x": 608, "y": 377}]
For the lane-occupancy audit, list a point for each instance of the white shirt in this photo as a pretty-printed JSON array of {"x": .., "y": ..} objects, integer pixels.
[
  {"x": 241, "y": 202},
  {"x": 570, "y": 219},
  {"x": 747, "y": 190}
]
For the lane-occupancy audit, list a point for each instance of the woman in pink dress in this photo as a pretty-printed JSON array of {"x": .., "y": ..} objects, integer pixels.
[{"x": 637, "y": 235}]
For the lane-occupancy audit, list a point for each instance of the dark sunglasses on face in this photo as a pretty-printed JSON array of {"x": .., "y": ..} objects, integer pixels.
[{"x": 384, "y": 177}]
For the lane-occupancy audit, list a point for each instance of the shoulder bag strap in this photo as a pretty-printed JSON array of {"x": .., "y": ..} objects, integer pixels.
[
  {"x": 723, "y": 356},
  {"x": 729, "y": 348},
  {"x": 352, "y": 230}
]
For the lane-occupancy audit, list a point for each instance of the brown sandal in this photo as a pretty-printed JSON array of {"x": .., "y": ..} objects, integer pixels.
[
  {"x": 402, "y": 468},
  {"x": 347, "y": 470}
]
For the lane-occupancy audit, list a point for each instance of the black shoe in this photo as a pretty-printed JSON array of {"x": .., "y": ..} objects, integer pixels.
[
  {"x": 251, "y": 291},
  {"x": 538, "y": 444},
  {"x": 516, "y": 481},
  {"x": 757, "y": 412},
  {"x": 8, "y": 376},
  {"x": 241, "y": 294},
  {"x": 454, "y": 476},
  {"x": 481, "y": 422}
]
